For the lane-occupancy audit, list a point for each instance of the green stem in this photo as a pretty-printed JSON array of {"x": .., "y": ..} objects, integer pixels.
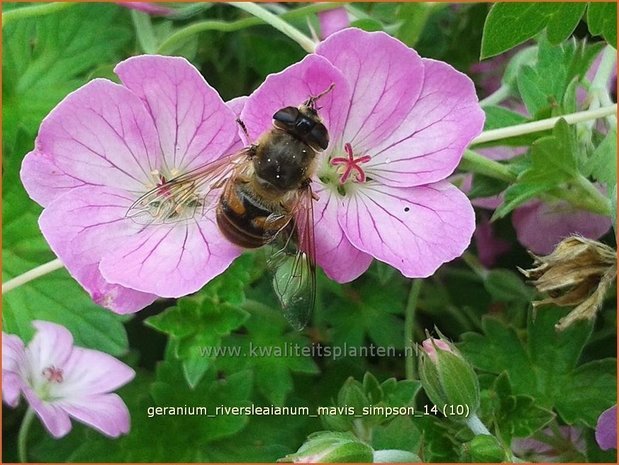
[
  {"x": 34, "y": 11},
  {"x": 409, "y": 325},
  {"x": 183, "y": 34},
  {"x": 278, "y": 23},
  {"x": 23, "y": 435},
  {"x": 475, "y": 163},
  {"x": 476, "y": 426},
  {"x": 31, "y": 275},
  {"x": 543, "y": 124}
]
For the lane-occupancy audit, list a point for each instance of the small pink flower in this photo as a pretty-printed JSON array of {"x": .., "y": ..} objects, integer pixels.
[
  {"x": 606, "y": 429},
  {"x": 398, "y": 126},
  {"x": 430, "y": 345},
  {"x": 60, "y": 380},
  {"x": 103, "y": 147},
  {"x": 568, "y": 440},
  {"x": 148, "y": 7},
  {"x": 332, "y": 21}
]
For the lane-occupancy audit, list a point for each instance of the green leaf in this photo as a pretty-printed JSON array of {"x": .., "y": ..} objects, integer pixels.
[
  {"x": 553, "y": 161},
  {"x": 545, "y": 365},
  {"x": 506, "y": 286},
  {"x": 485, "y": 186},
  {"x": 197, "y": 330},
  {"x": 510, "y": 24},
  {"x": 602, "y": 165},
  {"x": 413, "y": 17},
  {"x": 543, "y": 83},
  {"x": 45, "y": 58},
  {"x": 602, "y": 20},
  {"x": 272, "y": 356}
]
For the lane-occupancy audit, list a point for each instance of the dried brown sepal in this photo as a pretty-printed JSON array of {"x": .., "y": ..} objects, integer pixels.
[{"x": 577, "y": 273}]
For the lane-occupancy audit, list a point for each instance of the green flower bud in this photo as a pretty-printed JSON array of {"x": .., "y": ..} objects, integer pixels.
[
  {"x": 331, "y": 447},
  {"x": 448, "y": 379},
  {"x": 484, "y": 448}
]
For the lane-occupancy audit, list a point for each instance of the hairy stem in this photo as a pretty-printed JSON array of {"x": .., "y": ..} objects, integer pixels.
[
  {"x": 496, "y": 97},
  {"x": 409, "y": 326},
  {"x": 22, "y": 437},
  {"x": 476, "y": 426},
  {"x": 31, "y": 275},
  {"x": 544, "y": 124},
  {"x": 278, "y": 23},
  {"x": 477, "y": 163},
  {"x": 34, "y": 11}
]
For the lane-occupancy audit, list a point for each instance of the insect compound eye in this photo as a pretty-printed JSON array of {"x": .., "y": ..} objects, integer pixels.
[
  {"x": 319, "y": 136},
  {"x": 304, "y": 125},
  {"x": 287, "y": 116}
]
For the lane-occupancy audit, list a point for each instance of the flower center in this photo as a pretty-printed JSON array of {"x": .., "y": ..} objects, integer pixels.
[
  {"x": 170, "y": 199},
  {"x": 53, "y": 374},
  {"x": 349, "y": 167}
]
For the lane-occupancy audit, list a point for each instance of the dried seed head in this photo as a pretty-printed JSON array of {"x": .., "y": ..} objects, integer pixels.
[{"x": 577, "y": 273}]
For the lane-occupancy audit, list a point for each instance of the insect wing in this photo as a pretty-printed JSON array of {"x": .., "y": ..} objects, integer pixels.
[
  {"x": 294, "y": 277},
  {"x": 182, "y": 197}
]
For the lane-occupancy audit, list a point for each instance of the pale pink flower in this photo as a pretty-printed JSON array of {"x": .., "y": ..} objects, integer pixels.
[
  {"x": 103, "y": 147},
  {"x": 332, "y": 21},
  {"x": 60, "y": 380},
  {"x": 569, "y": 440},
  {"x": 606, "y": 429},
  {"x": 151, "y": 8},
  {"x": 398, "y": 126}
]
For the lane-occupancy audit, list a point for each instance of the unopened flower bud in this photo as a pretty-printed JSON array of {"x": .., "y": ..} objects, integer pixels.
[
  {"x": 485, "y": 449},
  {"x": 331, "y": 447},
  {"x": 577, "y": 273},
  {"x": 447, "y": 378}
]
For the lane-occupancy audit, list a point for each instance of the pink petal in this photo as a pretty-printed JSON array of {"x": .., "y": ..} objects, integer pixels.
[
  {"x": 489, "y": 247},
  {"x": 236, "y": 105},
  {"x": 339, "y": 259},
  {"x": 332, "y": 21},
  {"x": 541, "y": 226},
  {"x": 171, "y": 260},
  {"x": 193, "y": 123},
  {"x": 107, "y": 413},
  {"x": 413, "y": 229},
  {"x": 89, "y": 372},
  {"x": 606, "y": 429},
  {"x": 51, "y": 346},
  {"x": 100, "y": 135},
  {"x": 81, "y": 227},
  {"x": 292, "y": 87},
  {"x": 147, "y": 7},
  {"x": 54, "y": 418},
  {"x": 429, "y": 143},
  {"x": 13, "y": 368},
  {"x": 385, "y": 78}
]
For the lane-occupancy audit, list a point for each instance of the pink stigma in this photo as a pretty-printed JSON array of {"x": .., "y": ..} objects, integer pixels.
[
  {"x": 351, "y": 165},
  {"x": 53, "y": 374}
]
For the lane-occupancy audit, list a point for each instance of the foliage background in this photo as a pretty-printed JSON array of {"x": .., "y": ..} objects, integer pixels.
[{"x": 531, "y": 376}]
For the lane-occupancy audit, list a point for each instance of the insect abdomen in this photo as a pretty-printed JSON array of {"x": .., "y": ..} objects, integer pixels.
[{"x": 243, "y": 221}]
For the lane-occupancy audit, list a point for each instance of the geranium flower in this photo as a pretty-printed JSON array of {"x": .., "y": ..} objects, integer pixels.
[
  {"x": 398, "y": 126},
  {"x": 606, "y": 429},
  {"x": 103, "y": 147},
  {"x": 60, "y": 380},
  {"x": 332, "y": 21}
]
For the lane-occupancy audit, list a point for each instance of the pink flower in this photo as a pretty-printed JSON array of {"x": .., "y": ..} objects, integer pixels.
[
  {"x": 332, "y": 21},
  {"x": 489, "y": 246},
  {"x": 148, "y": 7},
  {"x": 398, "y": 126},
  {"x": 103, "y": 147},
  {"x": 559, "y": 448},
  {"x": 60, "y": 380},
  {"x": 606, "y": 429}
]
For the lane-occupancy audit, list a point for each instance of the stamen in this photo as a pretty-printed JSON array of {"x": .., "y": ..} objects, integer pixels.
[
  {"x": 351, "y": 165},
  {"x": 53, "y": 374}
]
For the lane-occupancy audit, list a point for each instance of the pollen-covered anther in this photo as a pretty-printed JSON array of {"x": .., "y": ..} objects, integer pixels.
[
  {"x": 53, "y": 374},
  {"x": 351, "y": 165}
]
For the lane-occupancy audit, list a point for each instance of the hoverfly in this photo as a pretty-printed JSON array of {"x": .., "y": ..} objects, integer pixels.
[{"x": 266, "y": 199}]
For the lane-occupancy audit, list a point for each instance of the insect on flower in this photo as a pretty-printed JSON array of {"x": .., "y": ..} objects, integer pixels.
[{"x": 266, "y": 198}]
